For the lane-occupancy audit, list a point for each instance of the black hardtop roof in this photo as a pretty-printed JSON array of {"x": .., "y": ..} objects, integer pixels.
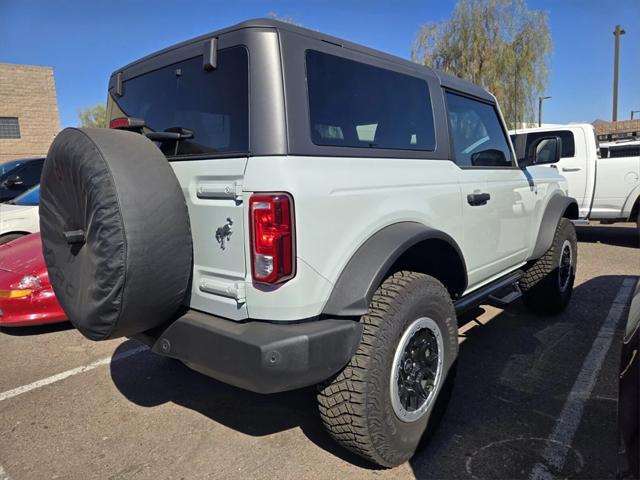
[{"x": 445, "y": 79}]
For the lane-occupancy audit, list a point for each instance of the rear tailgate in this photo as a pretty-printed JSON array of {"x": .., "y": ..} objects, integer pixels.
[
  {"x": 212, "y": 189},
  {"x": 209, "y": 107}
]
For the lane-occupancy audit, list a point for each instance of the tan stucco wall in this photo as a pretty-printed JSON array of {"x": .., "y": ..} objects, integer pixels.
[{"x": 29, "y": 93}]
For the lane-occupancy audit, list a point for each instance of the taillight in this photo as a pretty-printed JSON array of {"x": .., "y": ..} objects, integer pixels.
[
  {"x": 272, "y": 237},
  {"x": 126, "y": 123}
]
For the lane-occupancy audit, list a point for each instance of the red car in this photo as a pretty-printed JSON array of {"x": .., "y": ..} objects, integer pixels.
[{"x": 26, "y": 296}]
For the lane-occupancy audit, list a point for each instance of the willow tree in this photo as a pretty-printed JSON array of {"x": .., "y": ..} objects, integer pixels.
[
  {"x": 499, "y": 44},
  {"x": 93, "y": 117}
]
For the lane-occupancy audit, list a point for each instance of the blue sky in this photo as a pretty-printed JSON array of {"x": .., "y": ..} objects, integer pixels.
[{"x": 84, "y": 41}]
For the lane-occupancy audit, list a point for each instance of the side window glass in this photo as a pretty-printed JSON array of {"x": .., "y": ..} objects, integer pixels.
[
  {"x": 566, "y": 136},
  {"x": 477, "y": 134},
  {"x": 30, "y": 174},
  {"x": 354, "y": 104}
]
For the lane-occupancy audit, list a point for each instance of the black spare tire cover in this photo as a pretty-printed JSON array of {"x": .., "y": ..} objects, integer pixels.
[{"x": 115, "y": 231}]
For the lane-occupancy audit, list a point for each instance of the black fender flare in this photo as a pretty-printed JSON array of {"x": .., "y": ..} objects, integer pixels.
[
  {"x": 364, "y": 272},
  {"x": 558, "y": 206}
]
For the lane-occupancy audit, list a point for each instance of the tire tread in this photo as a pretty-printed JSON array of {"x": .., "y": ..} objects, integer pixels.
[{"x": 343, "y": 400}]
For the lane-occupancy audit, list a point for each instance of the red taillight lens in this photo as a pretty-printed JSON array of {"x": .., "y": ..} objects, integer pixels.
[
  {"x": 122, "y": 122},
  {"x": 126, "y": 123},
  {"x": 272, "y": 237}
]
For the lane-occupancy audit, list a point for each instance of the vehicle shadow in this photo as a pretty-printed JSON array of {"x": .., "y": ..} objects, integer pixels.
[
  {"x": 36, "y": 330},
  {"x": 509, "y": 386},
  {"x": 150, "y": 380},
  {"x": 609, "y": 235},
  {"x": 514, "y": 375}
]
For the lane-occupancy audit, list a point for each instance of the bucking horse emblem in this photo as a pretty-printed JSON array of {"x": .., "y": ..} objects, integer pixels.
[{"x": 223, "y": 234}]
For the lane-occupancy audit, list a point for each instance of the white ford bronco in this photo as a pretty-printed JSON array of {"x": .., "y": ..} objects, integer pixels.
[{"x": 278, "y": 208}]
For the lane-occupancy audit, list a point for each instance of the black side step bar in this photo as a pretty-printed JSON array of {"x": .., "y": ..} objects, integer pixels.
[{"x": 490, "y": 294}]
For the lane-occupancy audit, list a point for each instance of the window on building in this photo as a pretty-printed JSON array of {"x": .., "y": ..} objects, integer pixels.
[{"x": 9, "y": 127}]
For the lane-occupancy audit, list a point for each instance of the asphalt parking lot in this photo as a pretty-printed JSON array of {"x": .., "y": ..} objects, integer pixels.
[{"x": 534, "y": 398}]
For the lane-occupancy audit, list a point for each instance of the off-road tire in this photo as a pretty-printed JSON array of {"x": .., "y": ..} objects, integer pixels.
[
  {"x": 355, "y": 405},
  {"x": 541, "y": 282}
]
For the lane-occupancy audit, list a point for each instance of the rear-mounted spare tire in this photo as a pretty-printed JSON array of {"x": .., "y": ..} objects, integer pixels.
[{"x": 115, "y": 231}]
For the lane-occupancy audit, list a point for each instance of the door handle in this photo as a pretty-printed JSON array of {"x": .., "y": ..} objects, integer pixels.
[
  {"x": 576, "y": 169},
  {"x": 477, "y": 199}
]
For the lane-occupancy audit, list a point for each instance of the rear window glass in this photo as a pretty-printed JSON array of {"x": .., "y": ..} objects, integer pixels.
[
  {"x": 353, "y": 104},
  {"x": 624, "y": 151},
  {"x": 213, "y": 104}
]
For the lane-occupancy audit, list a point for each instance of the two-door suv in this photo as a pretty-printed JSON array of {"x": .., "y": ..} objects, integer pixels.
[{"x": 278, "y": 208}]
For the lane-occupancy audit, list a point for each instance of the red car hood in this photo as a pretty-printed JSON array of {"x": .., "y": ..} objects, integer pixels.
[
  {"x": 23, "y": 257},
  {"x": 9, "y": 280}
]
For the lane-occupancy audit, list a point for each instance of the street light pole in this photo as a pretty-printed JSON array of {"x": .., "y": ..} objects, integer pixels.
[
  {"x": 616, "y": 53},
  {"x": 540, "y": 99}
]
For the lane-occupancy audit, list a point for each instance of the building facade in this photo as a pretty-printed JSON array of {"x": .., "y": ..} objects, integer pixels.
[{"x": 29, "y": 117}]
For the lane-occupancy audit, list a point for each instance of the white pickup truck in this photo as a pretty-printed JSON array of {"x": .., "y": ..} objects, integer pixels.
[{"x": 606, "y": 188}]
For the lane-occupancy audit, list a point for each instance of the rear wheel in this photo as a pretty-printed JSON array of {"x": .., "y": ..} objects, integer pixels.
[
  {"x": 396, "y": 384},
  {"x": 548, "y": 283}
]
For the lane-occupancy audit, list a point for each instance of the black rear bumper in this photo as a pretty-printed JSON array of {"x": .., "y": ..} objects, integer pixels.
[{"x": 259, "y": 356}]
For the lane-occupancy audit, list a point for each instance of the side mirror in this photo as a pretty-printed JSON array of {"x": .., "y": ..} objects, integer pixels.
[
  {"x": 489, "y": 158},
  {"x": 543, "y": 150},
  {"x": 13, "y": 181}
]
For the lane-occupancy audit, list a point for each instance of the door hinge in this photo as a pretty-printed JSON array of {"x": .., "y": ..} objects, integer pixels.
[
  {"x": 220, "y": 190},
  {"x": 235, "y": 290}
]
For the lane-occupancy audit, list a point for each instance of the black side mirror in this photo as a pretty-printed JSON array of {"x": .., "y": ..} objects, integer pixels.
[
  {"x": 489, "y": 158},
  {"x": 13, "y": 181},
  {"x": 543, "y": 150}
]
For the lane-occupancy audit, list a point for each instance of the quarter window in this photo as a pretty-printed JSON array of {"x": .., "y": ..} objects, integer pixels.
[
  {"x": 477, "y": 134},
  {"x": 353, "y": 104}
]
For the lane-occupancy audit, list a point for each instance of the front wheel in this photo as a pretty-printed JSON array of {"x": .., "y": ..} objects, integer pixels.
[
  {"x": 548, "y": 283},
  {"x": 380, "y": 405}
]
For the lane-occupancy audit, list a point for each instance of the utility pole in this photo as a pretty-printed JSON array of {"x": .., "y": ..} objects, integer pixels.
[
  {"x": 616, "y": 33},
  {"x": 540, "y": 99}
]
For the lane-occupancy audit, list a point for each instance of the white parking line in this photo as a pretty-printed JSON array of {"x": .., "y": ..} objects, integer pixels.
[
  {"x": 561, "y": 438},
  {"x": 69, "y": 373}
]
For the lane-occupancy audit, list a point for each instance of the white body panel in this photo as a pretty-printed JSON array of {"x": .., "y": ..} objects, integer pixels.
[
  {"x": 18, "y": 218},
  {"x": 617, "y": 187},
  {"x": 605, "y": 188},
  {"x": 339, "y": 204},
  {"x": 213, "y": 191}
]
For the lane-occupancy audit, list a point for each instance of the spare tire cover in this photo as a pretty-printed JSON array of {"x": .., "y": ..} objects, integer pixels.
[{"x": 115, "y": 231}]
